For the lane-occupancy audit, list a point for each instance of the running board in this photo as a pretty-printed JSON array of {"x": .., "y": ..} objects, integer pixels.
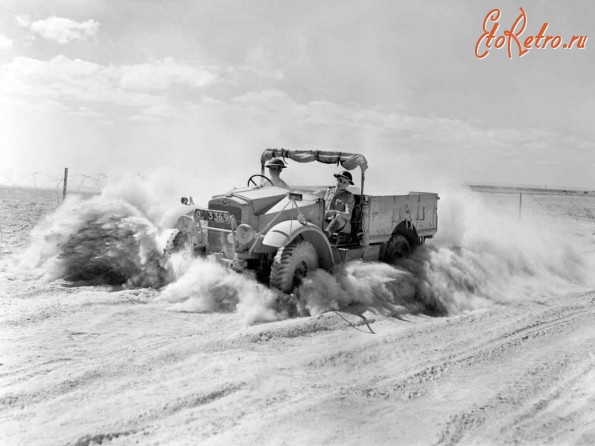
[{"x": 371, "y": 252}]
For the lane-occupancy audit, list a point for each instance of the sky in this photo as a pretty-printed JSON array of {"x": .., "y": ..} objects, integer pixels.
[{"x": 190, "y": 92}]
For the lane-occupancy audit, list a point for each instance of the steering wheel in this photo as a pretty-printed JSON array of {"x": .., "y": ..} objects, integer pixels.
[{"x": 251, "y": 179}]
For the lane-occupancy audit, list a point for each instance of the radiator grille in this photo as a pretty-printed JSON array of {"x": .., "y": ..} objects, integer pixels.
[{"x": 217, "y": 241}]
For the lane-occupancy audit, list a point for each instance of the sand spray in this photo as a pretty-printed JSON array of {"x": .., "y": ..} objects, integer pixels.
[{"x": 480, "y": 256}]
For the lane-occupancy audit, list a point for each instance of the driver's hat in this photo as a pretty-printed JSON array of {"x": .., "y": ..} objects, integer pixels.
[
  {"x": 346, "y": 175},
  {"x": 275, "y": 162}
]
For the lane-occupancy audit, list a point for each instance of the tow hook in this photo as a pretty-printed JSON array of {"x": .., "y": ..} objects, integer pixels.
[
  {"x": 238, "y": 265},
  {"x": 220, "y": 258}
]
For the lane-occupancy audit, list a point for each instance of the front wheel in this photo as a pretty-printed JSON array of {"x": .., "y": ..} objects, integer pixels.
[
  {"x": 292, "y": 263},
  {"x": 180, "y": 242}
]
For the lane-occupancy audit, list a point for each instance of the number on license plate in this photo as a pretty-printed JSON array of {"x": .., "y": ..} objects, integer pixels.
[{"x": 216, "y": 216}]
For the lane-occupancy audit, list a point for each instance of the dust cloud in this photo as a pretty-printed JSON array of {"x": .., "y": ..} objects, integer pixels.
[
  {"x": 480, "y": 256},
  {"x": 205, "y": 285},
  {"x": 109, "y": 239}
]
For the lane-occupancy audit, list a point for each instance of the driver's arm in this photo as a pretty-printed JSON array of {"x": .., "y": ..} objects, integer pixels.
[
  {"x": 349, "y": 205},
  {"x": 280, "y": 183},
  {"x": 321, "y": 192}
]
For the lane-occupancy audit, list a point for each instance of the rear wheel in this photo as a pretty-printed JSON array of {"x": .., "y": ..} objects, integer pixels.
[
  {"x": 396, "y": 248},
  {"x": 292, "y": 263}
]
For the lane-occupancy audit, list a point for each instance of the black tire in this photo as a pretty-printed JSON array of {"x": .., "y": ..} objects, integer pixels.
[
  {"x": 180, "y": 242},
  {"x": 396, "y": 248},
  {"x": 292, "y": 263},
  {"x": 176, "y": 242}
]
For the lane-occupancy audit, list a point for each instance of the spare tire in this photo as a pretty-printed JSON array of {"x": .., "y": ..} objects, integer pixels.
[{"x": 180, "y": 242}]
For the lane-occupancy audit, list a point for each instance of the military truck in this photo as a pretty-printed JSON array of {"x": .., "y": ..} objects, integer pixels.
[{"x": 278, "y": 233}]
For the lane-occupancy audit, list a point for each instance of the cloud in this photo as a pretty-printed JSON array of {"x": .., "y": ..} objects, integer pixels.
[
  {"x": 5, "y": 43},
  {"x": 156, "y": 113},
  {"x": 418, "y": 147},
  {"x": 260, "y": 61},
  {"x": 23, "y": 21},
  {"x": 385, "y": 123},
  {"x": 75, "y": 79},
  {"x": 60, "y": 29},
  {"x": 415, "y": 151},
  {"x": 162, "y": 74}
]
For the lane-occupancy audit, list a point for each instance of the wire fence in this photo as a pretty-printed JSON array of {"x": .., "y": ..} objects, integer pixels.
[
  {"x": 25, "y": 199},
  {"x": 77, "y": 182},
  {"x": 529, "y": 189}
]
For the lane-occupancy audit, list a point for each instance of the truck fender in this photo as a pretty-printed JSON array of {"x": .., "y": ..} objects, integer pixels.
[
  {"x": 171, "y": 217},
  {"x": 285, "y": 232}
]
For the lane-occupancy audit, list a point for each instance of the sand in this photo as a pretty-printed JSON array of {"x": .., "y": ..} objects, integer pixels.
[{"x": 485, "y": 337}]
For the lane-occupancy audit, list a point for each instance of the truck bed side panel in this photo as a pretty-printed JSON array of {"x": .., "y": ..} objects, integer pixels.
[
  {"x": 427, "y": 217},
  {"x": 384, "y": 213}
]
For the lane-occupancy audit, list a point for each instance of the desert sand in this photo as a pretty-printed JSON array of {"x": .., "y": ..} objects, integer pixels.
[{"x": 485, "y": 336}]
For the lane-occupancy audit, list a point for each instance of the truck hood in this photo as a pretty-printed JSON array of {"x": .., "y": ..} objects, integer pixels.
[{"x": 262, "y": 199}]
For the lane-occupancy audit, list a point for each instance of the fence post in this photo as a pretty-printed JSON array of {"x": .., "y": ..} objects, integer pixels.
[
  {"x": 520, "y": 205},
  {"x": 65, "y": 183}
]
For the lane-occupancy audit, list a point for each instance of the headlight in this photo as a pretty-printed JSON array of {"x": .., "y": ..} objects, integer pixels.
[
  {"x": 185, "y": 224},
  {"x": 244, "y": 234}
]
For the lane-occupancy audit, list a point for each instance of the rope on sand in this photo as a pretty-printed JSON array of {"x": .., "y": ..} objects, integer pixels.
[{"x": 354, "y": 326}]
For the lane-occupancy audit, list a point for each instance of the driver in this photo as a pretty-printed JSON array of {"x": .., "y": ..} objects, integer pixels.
[
  {"x": 339, "y": 204},
  {"x": 275, "y": 166}
]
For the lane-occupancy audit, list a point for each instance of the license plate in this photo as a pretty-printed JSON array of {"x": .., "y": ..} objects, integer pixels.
[{"x": 214, "y": 216}]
